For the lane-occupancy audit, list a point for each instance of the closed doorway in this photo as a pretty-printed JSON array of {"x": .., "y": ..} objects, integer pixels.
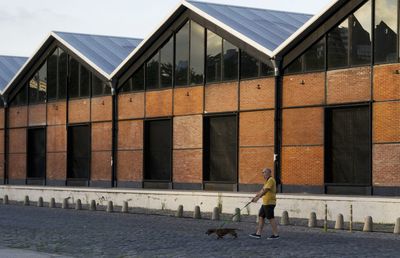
[
  {"x": 78, "y": 155},
  {"x": 36, "y": 173},
  {"x": 348, "y": 150}
]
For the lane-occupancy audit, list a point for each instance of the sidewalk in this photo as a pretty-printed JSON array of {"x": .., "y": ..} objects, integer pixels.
[{"x": 13, "y": 253}]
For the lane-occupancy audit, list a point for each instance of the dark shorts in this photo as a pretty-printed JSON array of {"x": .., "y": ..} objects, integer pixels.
[{"x": 267, "y": 211}]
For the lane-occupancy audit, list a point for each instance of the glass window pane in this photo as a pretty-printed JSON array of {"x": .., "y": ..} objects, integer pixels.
[
  {"x": 42, "y": 89},
  {"x": 127, "y": 86},
  {"x": 33, "y": 89},
  {"x": 386, "y": 31},
  {"x": 138, "y": 80},
  {"x": 62, "y": 74},
  {"x": 52, "y": 62},
  {"x": 338, "y": 50},
  {"x": 152, "y": 80},
  {"x": 267, "y": 69},
  {"x": 196, "y": 54},
  {"x": 182, "y": 56},
  {"x": 214, "y": 49},
  {"x": 166, "y": 63},
  {"x": 74, "y": 79},
  {"x": 361, "y": 35},
  {"x": 84, "y": 85},
  {"x": 20, "y": 98},
  {"x": 249, "y": 65},
  {"x": 296, "y": 66},
  {"x": 231, "y": 60},
  {"x": 98, "y": 86},
  {"x": 314, "y": 57}
]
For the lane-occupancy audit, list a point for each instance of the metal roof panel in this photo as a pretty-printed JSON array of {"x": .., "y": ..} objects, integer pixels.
[{"x": 9, "y": 66}]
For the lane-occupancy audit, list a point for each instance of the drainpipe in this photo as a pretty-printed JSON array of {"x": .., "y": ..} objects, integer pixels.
[
  {"x": 277, "y": 63},
  {"x": 114, "y": 134},
  {"x": 5, "y": 155}
]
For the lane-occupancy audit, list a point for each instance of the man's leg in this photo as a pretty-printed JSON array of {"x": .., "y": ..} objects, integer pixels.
[
  {"x": 260, "y": 226},
  {"x": 274, "y": 227}
]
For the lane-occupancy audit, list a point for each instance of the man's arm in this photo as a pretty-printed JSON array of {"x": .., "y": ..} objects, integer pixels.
[{"x": 260, "y": 194}]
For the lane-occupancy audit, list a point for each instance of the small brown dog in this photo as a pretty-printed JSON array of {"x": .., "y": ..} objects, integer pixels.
[{"x": 221, "y": 232}]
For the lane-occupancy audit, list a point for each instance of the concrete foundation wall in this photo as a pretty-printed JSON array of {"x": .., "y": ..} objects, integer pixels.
[{"x": 382, "y": 210}]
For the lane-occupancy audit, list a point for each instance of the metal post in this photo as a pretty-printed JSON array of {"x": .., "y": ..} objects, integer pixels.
[
  {"x": 351, "y": 218},
  {"x": 326, "y": 219}
]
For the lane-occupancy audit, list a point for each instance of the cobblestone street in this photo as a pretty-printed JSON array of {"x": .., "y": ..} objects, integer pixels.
[{"x": 100, "y": 234}]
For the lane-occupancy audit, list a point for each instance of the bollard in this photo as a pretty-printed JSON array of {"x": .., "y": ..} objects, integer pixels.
[
  {"x": 52, "y": 203},
  {"x": 285, "y": 218},
  {"x": 368, "y": 224},
  {"x": 65, "y": 204},
  {"x": 215, "y": 214},
  {"x": 351, "y": 218},
  {"x": 326, "y": 219},
  {"x": 236, "y": 217},
  {"x": 312, "y": 221},
  {"x": 40, "y": 202},
  {"x": 110, "y": 207},
  {"x": 397, "y": 226},
  {"x": 197, "y": 214},
  {"x": 179, "y": 211},
  {"x": 339, "y": 222},
  {"x": 5, "y": 200},
  {"x": 26, "y": 200},
  {"x": 124, "y": 208},
  {"x": 78, "y": 205},
  {"x": 92, "y": 205}
]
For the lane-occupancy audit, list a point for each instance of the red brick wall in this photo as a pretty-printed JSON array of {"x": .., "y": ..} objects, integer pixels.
[
  {"x": 79, "y": 111},
  {"x": 386, "y": 122},
  {"x": 303, "y": 126},
  {"x": 303, "y": 165},
  {"x": 349, "y": 85},
  {"x": 159, "y": 103},
  {"x": 131, "y": 105},
  {"x": 251, "y": 163},
  {"x": 386, "y": 82},
  {"x": 222, "y": 97},
  {"x": 386, "y": 164},
  {"x": 257, "y": 94},
  {"x": 37, "y": 114},
  {"x": 188, "y": 100},
  {"x": 101, "y": 109},
  {"x": 101, "y": 151},
  {"x": 303, "y": 89}
]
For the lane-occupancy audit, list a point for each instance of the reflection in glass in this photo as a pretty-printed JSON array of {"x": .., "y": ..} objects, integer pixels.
[
  {"x": 166, "y": 63},
  {"x": 231, "y": 60},
  {"x": 360, "y": 21},
  {"x": 386, "y": 31},
  {"x": 98, "y": 86},
  {"x": 214, "y": 49},
  {"x": 250, "y": 66},
  {"x": 182, "y": 56},
  {"x": 338, "y": 40},
  {"x": 267, "y": 68},
  {"x": 62, "y": 74},
  {"x": 196, "y": 54},
  {"x": 127, "y": 86},
  {"x": 74, "y": 78},
  {"x": 33, "y": 89},
  {"x": 296, "y": 66},
  {"x": 152, "y": 80},
  {"x": 42, "y": 80},
  {"x": 138, "y": 80},
  {"x": 52, "y": 63},
  {"x": 84, "y": 84},
  {"x": 314, "y": 57}
]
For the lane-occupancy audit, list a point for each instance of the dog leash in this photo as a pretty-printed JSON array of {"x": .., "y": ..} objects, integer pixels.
[{"x": 226, "y": 221}]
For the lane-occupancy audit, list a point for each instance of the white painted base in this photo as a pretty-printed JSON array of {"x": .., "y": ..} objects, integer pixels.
[{"x": 382, "y": 209}]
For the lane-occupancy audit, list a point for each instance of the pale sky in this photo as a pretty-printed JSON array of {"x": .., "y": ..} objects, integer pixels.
[{"x": 24, "y": 24}]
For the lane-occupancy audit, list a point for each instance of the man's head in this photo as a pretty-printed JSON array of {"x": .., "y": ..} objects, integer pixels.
[{"x": 266, "y": 173}]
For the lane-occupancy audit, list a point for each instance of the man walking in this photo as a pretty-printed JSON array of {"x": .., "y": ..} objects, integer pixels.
[{"x": 268, "y": 194}]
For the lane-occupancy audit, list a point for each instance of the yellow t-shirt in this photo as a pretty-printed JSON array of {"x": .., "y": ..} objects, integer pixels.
[{"x": 270, "y": 197}]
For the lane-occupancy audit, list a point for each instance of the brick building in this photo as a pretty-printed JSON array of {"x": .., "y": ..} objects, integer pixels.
[{"x": 211, "y": 97}]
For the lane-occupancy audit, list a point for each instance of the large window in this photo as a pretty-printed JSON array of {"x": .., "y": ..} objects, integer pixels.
[
  {"x": 182, "y": 56},
  {"x": 159, "y": 68},
  {"x": 37, "y": 86},
  {"x": 79, "y": 86},
  {"x": 222, "y": 59},
  {"x": 312, "y": 60},
  {"x": 135, "y": 83},
  {"x": 99, "y": 88},
  {"x": 252, "y": 67},
  {"x": 361, "y": 35},
  {"x": 36, "y": 153},
  {"x": 197, "y": 48},
  {"x": 20, "y": 98},
  {"x": 338, "y": 46},
  {"x": 386, "y": 31},
  {"x": 57, "y": 74}
]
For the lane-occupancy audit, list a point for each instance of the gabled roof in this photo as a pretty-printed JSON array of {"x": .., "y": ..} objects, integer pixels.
[
  {"x": 106, "y": 52},
  {"x": 268, "y": 28},
  {"x": 9, "y": 66},
  {"x": 262, "y": 29},
  {"x": 102, "y": 53}
]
